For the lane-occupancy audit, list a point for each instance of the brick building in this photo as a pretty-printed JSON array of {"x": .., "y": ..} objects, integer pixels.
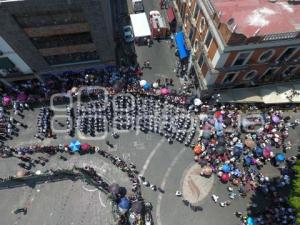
[
  {"x": 241, "y": 43},
  {"x": 42, "y": 36}
]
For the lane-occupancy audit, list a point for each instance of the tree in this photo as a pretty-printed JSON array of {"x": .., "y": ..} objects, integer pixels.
[{"x": 294, "y": 198}]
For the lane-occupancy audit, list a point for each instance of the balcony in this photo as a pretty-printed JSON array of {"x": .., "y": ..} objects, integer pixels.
[
  {"x": 68, "y": 49},
  {"x": 57, "y": 30}
]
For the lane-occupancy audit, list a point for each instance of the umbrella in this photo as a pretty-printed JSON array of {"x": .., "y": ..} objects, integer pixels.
[
  {"x": 248, "y": 160},
  {"x": 202, "y": 162},
  {"x": 21, "y": 173},
  {"x": 155, "y": 85},
  {"x": 74, "y": 145},
  {"x": 275, "y": 119},
  {"x": 22, "y": 97},
  {"x": 218, "y": 114},
  {"x": 280, "y": 157},
  {"x": 218, "y": 125},
  {"x": 250, "y": 221},
  {"x": 221, "y": 140},
  {"x": 114, "y": 188},
  {"x": 220, "y": 149},
  {"x": 137, "y": 207},
  {"x": 197, "y": 102},
  {"x": 206, "y": 134},
  {"x": 250, "y": 143},
  {"x": 124, "y": 203},
  {"x": 225, "y": 177},
  {"x": 267, "y": 152},
  {"x": 147, "y": 86},
  {"x": 142, "y": 83},
  {"x": 6, "y": 100},
  {"x": 237, "y": 151},
  {"x": 164, "y": 91},
  {"x": 237, "y": 172},
  {"x": 258, "y": 151},
  {"x": 226, "y": 168},
  {"x": 197, "y": 149},
  {"x": 85, "y": 147},
  {"x": 207, "y": 171}
]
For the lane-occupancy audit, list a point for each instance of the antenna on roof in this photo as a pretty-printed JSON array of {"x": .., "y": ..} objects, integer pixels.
[{"x": 256, "y": 32}]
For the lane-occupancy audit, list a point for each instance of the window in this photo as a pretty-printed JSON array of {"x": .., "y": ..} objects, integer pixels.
[
  {"x": 191, "y": 34},
  {"x": 250, "y": 75},
  {"x": 186, "y": 19},
  {"x": 196, "y": 12},
  {"x": 208, "y": 39},
  {"x": 241, "y": 59},
  {"x": 289, "y": 71},
  {"x": 196, "y": 45},
  {"x": 200, "y": 60},
  {"x": 202, "y": 24},
  {"x": 288, "y": 53},
  {"x": 229, "y": 78},
  {"x": 270, "y": 72},
  {"x": 266, "y": 56}
]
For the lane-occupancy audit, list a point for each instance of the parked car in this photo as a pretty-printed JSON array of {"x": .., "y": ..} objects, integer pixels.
[{"x": 128, "y": 33}]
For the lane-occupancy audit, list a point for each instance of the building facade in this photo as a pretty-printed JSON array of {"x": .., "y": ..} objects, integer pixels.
[
  {"x": 45, "y": 36},
  {"x": 241, "y": 43}
]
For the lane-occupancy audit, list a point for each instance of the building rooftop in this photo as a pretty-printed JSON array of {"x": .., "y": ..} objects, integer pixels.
[{"x": 259, "y": 17}]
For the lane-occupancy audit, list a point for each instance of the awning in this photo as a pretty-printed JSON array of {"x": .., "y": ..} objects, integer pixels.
[
  {"x": 170, "y": 15},
  {"x": 179, "y": 38}
]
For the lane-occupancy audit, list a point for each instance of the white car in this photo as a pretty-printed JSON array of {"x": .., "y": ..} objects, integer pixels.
[{"x": 128, "y": 33}]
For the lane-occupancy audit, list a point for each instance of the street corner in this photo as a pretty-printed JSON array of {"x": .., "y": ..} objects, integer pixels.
[{"x": 195, "y": 187}]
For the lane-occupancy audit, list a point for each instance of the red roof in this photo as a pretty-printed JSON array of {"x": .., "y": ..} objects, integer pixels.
[
  {"x": 170, "y": 15},
  {"x": 261, "y": 17}
]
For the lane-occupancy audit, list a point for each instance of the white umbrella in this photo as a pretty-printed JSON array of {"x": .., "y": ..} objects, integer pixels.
[
  {"x": 155, "y": 85},
  {"x": 197, "y": 102},
  {"x": 142, "y": 83}
]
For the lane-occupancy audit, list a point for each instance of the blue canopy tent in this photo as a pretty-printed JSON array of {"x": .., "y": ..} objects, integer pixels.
[
  {"x": 180, "y": 43},
  {"x": 74, "y": 145}
]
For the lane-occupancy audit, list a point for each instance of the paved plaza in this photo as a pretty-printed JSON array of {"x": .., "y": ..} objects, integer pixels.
[{"x": 169, "y": 166}]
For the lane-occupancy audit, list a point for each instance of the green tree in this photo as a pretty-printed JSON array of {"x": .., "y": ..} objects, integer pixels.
[{"x": 294, "y": 198}]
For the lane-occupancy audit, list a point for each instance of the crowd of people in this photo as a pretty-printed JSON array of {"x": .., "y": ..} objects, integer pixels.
[{"x": 233, "y": 146}]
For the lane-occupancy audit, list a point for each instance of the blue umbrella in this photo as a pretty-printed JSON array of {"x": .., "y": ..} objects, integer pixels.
[
  {"x": 74, "y": 145},
  {"x": 124, "y": 203},
  {"x": 237, "y": 151},
  {"x": 218, "y": 125},
  {"x": 237, "y": 172},
  {"x": 250, "y": 221},
  {"x": 239, "y": 145},
  {"x": 280, "y": 157},
  {"x": 226, "y": 168},
  {"x": 147, "y": 86},
  {"x": 258, "y": 151},
  {"x": 248, "y": 160}
]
